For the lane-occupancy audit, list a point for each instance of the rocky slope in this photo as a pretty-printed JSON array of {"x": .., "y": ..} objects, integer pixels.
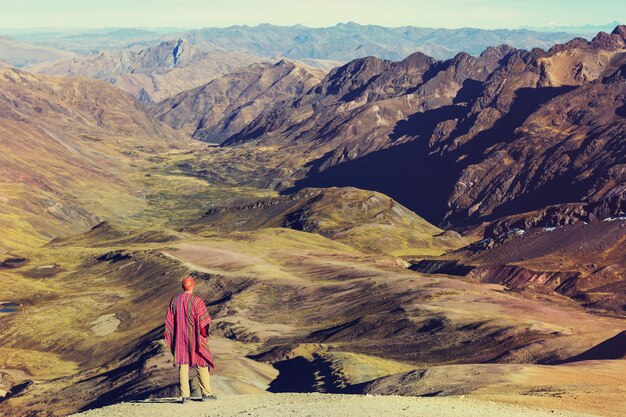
[
  {"x": 226, "y": 105},
  {"x": 502, "y": 144},
  {"x": 69, "y": 146},
  {"x": 486, "y": 136},
  {"x": 153, "y": 73}
]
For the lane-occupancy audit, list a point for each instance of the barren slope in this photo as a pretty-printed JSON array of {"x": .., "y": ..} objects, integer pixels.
[
  {"x": 226, "y": 105},
  {"x": 69, "y": 148},
  {"x": 594, "y": 387}
]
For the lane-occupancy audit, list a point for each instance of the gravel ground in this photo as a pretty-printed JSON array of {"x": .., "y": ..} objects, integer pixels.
[{"x": 314, "y": 405}]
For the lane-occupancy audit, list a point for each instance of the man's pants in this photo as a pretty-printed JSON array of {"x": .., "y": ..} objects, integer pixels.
[{"x": 203, "y": 378}]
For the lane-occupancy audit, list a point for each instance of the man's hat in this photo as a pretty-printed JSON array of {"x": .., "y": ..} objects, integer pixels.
[{"x": 189, "y": 283}]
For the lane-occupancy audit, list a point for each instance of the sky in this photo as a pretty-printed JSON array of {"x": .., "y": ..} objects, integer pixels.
[{"x": 488, "y": 14}]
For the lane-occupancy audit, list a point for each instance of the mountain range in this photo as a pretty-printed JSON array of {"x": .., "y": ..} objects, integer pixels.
[
  {"x": 89, "y": 41},
  {"x": 18, "y": 53},
  {"x": 154, "y": 64},
  {"x": 342, "y": 42},
  {"x": 477, "y": 113},
  {"x": 511, "y": 140},
  {"x": 154, "y": 73},
  {"x": 406, "y": 225},
  {"x": 347, "y": 41}
]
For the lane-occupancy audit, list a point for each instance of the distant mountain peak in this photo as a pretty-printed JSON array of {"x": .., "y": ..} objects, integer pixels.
[
  {"x": 418, "y": 56},
  {"x": 147, "y": 72},
  {"x": 284, "y": 63},
  {"x": 349, "y": 24},
  {"x": 611, "y": 42},
  {"x": 620, "y": 30}
]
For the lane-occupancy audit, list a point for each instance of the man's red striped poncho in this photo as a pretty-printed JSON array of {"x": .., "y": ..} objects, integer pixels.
[{"x": 185, "y": 330}]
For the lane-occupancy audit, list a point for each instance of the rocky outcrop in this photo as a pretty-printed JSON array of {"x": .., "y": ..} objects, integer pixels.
[
  {"x": 436, "y": 266},
  {"x": 559, "y": 215},
  {"x": 13, "y": 262},
  {"x": 516, "y": 277}
]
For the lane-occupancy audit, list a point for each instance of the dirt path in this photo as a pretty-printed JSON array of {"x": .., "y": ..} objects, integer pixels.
[{"x": 314, "y": 405}]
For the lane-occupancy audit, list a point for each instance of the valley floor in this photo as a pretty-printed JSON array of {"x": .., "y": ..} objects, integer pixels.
[{"x": 312, "y": 405}]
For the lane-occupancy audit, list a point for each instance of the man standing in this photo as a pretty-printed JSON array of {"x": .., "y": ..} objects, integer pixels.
[{"x": 186, "y": 330}]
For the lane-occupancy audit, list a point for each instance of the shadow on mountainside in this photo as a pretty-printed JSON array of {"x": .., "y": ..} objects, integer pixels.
[
  {"x": 422, "y": 177},
  {"x": 130, "y": 381},
  {"x": 316, "y": 375},
  {"x": 404, "y": 172},
  {"x": 613, "y": 348}
]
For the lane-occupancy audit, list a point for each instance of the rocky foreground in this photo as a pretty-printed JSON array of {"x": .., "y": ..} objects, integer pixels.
[{"x": 311, "y": 405}]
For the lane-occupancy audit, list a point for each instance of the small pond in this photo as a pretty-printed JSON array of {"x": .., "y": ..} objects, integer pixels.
[{"x": 8, "y": 307}]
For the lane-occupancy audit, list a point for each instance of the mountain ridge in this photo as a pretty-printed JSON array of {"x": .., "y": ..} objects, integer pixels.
[
  {"x": 153, "y": 73},
  {"x": 224, "y": 106},
  {"x": 301, "y": 42},
  {"x": 356, "y": 40},
  {"x": 371, "y": 104}
]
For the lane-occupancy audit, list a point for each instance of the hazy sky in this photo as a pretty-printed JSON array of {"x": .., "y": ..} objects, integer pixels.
[{"x": 200, "y": 13}]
